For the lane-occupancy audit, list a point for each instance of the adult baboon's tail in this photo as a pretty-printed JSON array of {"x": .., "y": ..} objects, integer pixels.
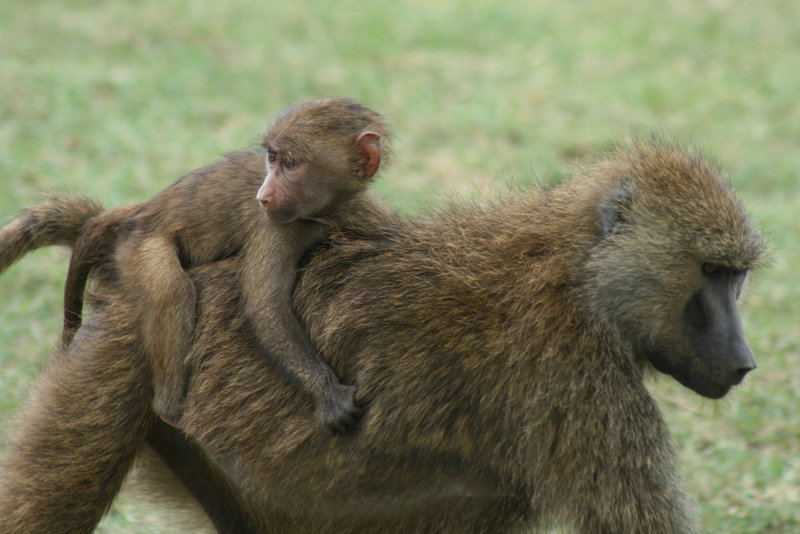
[{"x": 57, "y": 220}]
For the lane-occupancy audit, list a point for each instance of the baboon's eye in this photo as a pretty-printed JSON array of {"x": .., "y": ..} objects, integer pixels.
[
  {"x": 272, "y": 156},
  {"x": 710, "y": 268},
  {"x": 289, "y": 163}
]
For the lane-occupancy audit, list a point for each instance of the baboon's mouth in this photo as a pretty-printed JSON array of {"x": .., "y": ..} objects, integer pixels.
[{"x": 715, "y": 390}]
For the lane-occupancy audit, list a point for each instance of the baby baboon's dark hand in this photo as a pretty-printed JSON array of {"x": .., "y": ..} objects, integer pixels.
[{"x": 338, "y": 411}]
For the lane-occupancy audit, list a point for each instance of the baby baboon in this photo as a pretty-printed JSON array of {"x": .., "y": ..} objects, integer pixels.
[
  {"x": 319, "y": 154},
  {"x": 502, "y": 349}
]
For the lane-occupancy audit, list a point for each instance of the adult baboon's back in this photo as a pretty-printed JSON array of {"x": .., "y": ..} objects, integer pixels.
[{"x": 501, "y": 351}]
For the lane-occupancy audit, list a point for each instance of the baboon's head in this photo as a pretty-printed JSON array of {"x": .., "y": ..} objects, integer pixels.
[
  {"x": 674, "y": 249},
  {"x": 319, "y": 154}
]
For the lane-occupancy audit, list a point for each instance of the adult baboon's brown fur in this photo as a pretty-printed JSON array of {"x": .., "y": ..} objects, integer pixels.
[{"x": 501, "y": 350}]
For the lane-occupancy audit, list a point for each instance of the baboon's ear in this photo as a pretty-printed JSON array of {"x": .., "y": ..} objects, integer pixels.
[
  {"x": 369, "y": 143},
  {"x": 614, "y": 213}
]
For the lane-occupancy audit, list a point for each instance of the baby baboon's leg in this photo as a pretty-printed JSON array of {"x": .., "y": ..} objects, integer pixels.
[{"x": 152, "y": 275}]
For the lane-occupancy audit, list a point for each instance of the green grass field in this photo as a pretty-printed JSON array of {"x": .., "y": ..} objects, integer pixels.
[{"x": 118, "y": 99}]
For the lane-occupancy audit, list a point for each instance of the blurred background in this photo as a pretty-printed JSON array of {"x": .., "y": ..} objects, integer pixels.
[{"x": 119, "y": 99}]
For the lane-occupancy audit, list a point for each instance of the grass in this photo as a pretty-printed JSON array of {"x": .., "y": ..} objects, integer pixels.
[{"x": 118, "y": 99}]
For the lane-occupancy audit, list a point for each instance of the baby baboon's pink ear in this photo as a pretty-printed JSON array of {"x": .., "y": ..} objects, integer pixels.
[{"x": 370, "y": 145}]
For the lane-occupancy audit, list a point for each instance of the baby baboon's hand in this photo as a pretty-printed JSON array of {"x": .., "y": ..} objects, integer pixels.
[{"x": 338, "y": 411}]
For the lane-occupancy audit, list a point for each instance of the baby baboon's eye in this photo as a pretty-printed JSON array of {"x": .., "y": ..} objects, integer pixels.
[{"x": 710, "y": 268}]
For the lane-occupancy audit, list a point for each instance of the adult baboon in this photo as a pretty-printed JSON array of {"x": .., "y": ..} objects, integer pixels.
[
  {"x": 319, "y": 154},
  {"x": 501, "y": 349}
]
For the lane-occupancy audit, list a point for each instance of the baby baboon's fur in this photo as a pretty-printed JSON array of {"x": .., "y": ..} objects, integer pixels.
[
  {"x": 57, "y": 220},
  {"x": 319, "y": 155}
]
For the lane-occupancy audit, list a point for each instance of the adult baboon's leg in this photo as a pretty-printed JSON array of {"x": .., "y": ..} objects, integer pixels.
[
  {"x": 202, "y": 478},
  {"x": 71, "y": 447}
]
